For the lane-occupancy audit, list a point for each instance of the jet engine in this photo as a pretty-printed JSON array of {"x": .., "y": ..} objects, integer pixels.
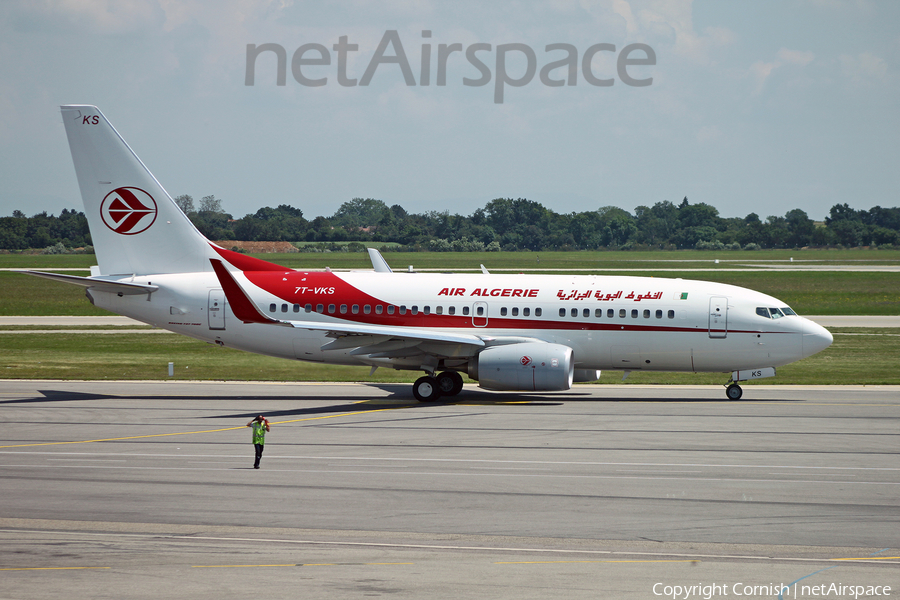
[{"x": 528, "y": 366}]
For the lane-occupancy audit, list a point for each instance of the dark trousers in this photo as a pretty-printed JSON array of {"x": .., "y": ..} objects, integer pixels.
[{"x": 259, "y": 451}]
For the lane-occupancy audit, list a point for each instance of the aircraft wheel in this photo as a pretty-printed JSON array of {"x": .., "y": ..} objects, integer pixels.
[
  {"x": 426, "y": 389},
  {"x": 734, "y": 392},
  {"x": 450, "y": 383}
]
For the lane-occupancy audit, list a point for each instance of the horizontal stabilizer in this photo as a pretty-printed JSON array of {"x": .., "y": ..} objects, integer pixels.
[{"x": 103, "y": 285}]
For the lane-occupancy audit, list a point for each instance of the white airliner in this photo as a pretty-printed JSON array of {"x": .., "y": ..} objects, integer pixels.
[{"x": 508, "y": 332}]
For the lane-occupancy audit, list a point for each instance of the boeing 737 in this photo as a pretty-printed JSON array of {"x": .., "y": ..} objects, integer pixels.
[{"x": 507, "y": 332}]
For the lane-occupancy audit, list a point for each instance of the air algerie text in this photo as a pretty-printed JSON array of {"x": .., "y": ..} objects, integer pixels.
[{"x": 496, "y": 292}]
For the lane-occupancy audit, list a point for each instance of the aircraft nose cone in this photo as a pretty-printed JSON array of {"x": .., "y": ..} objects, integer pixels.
[{"x": 815, "y": 338}]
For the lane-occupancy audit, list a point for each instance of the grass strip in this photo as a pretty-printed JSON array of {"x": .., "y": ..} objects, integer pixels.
[{"x": 858, "y": 356}]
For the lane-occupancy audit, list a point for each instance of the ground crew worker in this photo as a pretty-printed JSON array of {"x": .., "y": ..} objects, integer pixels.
[{"x": 260, "y": 427}]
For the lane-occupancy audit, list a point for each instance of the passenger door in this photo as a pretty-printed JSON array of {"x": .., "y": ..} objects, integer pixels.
[{"x": 718, "y": 317}]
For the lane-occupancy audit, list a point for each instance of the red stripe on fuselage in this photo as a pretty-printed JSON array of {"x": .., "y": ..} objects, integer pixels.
[{"x": 326, "y": 288}]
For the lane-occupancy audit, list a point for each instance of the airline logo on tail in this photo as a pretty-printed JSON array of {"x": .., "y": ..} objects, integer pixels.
[{"x": 128, "y": 210}]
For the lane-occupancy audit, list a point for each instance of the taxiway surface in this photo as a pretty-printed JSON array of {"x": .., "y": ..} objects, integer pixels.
[{"x": 146, "y": 489}]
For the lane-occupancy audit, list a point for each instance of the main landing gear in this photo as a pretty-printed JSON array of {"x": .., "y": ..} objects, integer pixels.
[
  {"x": 734, "y": 392},
  {"x": 429, "y": 389}
]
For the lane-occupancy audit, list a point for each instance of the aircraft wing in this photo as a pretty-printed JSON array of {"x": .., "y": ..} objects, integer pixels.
[{"x": 349, "y": 335}]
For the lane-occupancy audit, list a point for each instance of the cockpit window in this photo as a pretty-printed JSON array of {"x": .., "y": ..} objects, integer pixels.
[{"x": 774, "y": 313}]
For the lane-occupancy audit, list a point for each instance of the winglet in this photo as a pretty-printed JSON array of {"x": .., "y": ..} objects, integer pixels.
[
  {"x": 378, "y": 263},
  {"x": 241, "y": 304}
]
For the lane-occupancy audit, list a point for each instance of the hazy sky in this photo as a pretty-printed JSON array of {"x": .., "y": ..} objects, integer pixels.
[{"x": 760, "y": 106}]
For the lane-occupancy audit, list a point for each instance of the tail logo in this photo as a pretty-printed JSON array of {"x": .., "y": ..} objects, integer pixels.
[{"x": 128, "y": 210}]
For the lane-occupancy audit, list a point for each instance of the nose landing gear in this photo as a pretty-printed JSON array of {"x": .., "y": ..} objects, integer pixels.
[{"x": 734, "y": 392}]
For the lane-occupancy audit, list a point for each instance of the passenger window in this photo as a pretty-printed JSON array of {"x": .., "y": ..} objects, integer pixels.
[
  {"x": 414, "y": 310},
  {"x": 537, "y": 312},
  {"x": 390, "y": 309},
  {"x": 562, "y": 312},
  {"x": 402, "y": 309},
  {"x": 426, "y": 310},
  {"x": 367, "y": 309},
  {"x": 355, "y": 309},
  {"x": 479, "y": 311},
  {"x": 610, "y": 313},
  {"x": 331, "y": 308},
  {"x": 622, "y": 313},
  {"x": 646, "y": 313},
  {"x": 515, "y": 311},
  {"x": 634, "y": 313},
  {"x": 284, "y": 308},
  {"x": 574, "y": 312},
  {"x": 438, "y": 310},
  {"x": 296, "y": 308},
  {"x": 598, "y": 313},
  {"x": 762, "y": 311},
  {"x": 379, "y": 309},
  {"x": 586, "y": 313},
  {"x": 343, "y": 309},
  {"x": 671, "y": 314},
  {"x": 451, "y": 310},
  {"x": 659, "y": 314},
  {"x": 465, "y": 310},
  {"x": 271, "y": 308},
  {"x": 308, "y": 308},
  {"x": 503, "y": 311},
  {"x": 526, "y": 312},
  {"x": 320, "y": 308}
]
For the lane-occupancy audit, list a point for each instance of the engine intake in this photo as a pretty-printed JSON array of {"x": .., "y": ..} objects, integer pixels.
[{"x": 530, "y": 366}]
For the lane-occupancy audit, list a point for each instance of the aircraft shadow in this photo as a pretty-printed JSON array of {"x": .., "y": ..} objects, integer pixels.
[{"x": 398, "y": 396}]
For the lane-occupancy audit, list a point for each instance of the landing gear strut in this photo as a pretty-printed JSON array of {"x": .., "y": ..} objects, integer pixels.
[{"x": 734, "y": 392}]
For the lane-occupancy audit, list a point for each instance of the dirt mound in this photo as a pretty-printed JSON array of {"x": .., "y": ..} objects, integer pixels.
[{"x": 259, "y": 247}]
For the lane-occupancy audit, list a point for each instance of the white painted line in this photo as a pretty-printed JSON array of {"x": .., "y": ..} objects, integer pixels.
[{"x": 270, "y": 541}]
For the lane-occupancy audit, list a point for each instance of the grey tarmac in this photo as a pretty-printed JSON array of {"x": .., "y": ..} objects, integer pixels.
[{"x": 146, "y": 490}]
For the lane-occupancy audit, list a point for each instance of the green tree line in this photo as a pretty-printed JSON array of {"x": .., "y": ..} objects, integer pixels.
[{"x": 502, "y": 224}]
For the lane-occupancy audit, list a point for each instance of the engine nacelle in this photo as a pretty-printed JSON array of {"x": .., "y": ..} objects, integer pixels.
[{"x": 529, "y": 366}]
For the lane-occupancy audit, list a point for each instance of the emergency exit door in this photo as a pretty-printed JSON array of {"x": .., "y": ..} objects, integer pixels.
[{"x": 216, "y": 309}]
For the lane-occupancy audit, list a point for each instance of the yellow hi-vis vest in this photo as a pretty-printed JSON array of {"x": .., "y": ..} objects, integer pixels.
[{"x": 259, "y": 432}]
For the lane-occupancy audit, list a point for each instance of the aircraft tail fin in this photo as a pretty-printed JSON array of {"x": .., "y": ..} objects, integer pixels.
[{"x": 136, "y": 227}]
